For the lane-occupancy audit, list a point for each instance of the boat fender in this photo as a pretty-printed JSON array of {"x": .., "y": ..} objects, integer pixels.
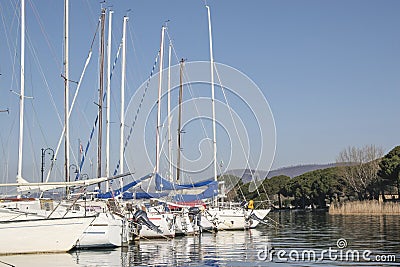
[{"x": 251, "y": 205}]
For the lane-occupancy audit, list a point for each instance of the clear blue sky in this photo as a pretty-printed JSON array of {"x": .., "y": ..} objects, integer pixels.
[{"x": 329, "y": 69}]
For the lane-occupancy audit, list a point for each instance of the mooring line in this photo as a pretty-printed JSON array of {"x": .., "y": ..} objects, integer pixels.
[{"x": 5, "y": 263}]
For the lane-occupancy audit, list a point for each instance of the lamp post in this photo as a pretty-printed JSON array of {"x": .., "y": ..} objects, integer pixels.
[
  {"x": 69, "y": 178},
  {"x": 76, "y": 170},
  {"x": 50, "y": 152}
]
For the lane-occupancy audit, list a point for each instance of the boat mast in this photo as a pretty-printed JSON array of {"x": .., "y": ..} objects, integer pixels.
[
  {"x": 169, "y": 112},
  {"x": 212, "y": 94},
  {"x": 108, "y": 98},
  {"x": 159, "y": 101},
  {"x": 178, "y": 159},
  {"x": 21, "y": 96},
  {"x": 101, "y": 89},
  {"x": 123, "y": 78},
  {"x": 66, "y": 93},
  {"x": 212, "y": 100}
]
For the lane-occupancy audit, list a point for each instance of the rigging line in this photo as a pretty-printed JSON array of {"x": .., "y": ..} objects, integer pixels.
[
  {"x": 83, "y": 118},
  {"x": 72, "y": 105},
  {"x": 162, "y": 144},
  {"x": 138, "y": 110},
  {"x": 39, "y": 124},
  {"x": 6, "y": 32},
  {"x": 74, "y": 99},
  {"x": 13, "y": 53},
  {"x": 34, "y": 54},
  {"x": 186, "y": 75},
  {"x": 91, "y": 15},
  {"x": 191, "y": 92},
  {"x": 112, "y": 95},
  {"x": 237, "y": 132},
  {"x": 189, "y": 85},
  {"x": 36, "y": 58},
  {"x": 95, "y": 122},
  {"x": 4, "y": 155},
  {"x": 165, "y": 139},
  {"x": 132, "y": 36},
  {"x": 29, "y": 127},
  {"x": 13, "y": 123},
  {"x": 132, "y": 71},
  {"x": 46, "y": 37}
]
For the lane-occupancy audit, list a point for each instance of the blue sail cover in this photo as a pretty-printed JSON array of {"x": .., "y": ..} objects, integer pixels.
[
  {"x": 162, "y": 184},
  {"x": 210, "y": 192},
  {"x": 145, "y": 195},
  {"x": 123, "y": 189}
]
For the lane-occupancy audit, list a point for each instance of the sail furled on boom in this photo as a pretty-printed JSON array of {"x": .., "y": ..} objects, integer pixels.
[
  {"x": 163, "y": 184},
  {"x": 114, "y": 193},
  {"x": 211, "y": 191},
  {"x": 148, "y": 195}
]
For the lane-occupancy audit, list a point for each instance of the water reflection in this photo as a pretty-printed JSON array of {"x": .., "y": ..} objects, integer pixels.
[
  {"x": 298, "y": 231},
  {"x": 321, "y": 231},
  {"x": 207, "y": 249},
  {"x": 44, "y": 260}
]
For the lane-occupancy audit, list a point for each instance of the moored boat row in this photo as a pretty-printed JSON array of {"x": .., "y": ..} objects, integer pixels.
[
  {"x": 38, "y": 225},
  {"x": 96, "y": 224}
]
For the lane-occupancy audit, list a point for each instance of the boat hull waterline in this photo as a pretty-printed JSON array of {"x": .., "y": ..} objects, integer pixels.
[{"x": 42, "y": 235}]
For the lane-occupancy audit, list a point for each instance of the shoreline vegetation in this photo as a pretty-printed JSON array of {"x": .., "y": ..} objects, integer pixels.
[
  {"x": 363, "y": 181},
  {"x": 365, "y": 207}
]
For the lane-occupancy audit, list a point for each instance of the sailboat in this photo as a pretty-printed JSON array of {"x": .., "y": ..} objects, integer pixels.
[
  {"x": 158, "y": 215},
  {"x": 222, "y": 217},
  {"x": 110, "y": 229},
  {"x": 146, "y": 221},
  {"x": 41, "y": 235},
  {"x": 24, "y": 233},
  {"x": 186, "y": 223},
  {"x": 216, "y": 217}
]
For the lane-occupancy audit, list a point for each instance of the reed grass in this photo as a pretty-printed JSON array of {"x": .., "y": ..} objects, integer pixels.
[{"x": 367, "y": 207}]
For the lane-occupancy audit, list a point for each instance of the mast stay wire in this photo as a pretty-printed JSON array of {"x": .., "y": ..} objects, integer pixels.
[
  {"x": 248, "y": 159},
  {"x": 191, "y": 91},
  {"x": 75, "y": 96}
]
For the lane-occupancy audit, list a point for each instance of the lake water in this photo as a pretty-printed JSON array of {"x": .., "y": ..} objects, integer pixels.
[{"x": 304, "y": 238}]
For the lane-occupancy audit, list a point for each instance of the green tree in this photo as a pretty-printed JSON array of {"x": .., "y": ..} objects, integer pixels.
[
  {"x": 300, "y": 188},
  {"x": 315, "y": 188},
  {"x": 390, "y": 168},
  {"x": 275, "y": 186}
]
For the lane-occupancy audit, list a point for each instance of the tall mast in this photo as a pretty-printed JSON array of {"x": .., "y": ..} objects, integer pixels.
[
  {"x": 122, "y": 125},
  {"x": 101, "y": 89},
  {"x": 21, "y": 97},
  {"x": 108, "y": 97},
  {"x": 66, "y": 92},
  {"x": 178, "y": 159},
  {"x": 212, "y": 94},
  {"x": 159, "y": 101},
  {"x": 169, "y": 111}
]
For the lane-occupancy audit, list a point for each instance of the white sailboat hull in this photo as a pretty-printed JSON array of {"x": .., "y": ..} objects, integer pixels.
[
  {"x": 183, "y": 225},
  {"x": 164, "y": 221},
  {"x": 260, "y": 213},
  {"x": 224, "y": 219},
  {"x": 42, "y": 235},
  {"x": 105, "y": 231}
]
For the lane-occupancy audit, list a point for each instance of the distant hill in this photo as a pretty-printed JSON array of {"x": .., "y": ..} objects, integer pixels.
[{"x": 291, "y": 171}]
